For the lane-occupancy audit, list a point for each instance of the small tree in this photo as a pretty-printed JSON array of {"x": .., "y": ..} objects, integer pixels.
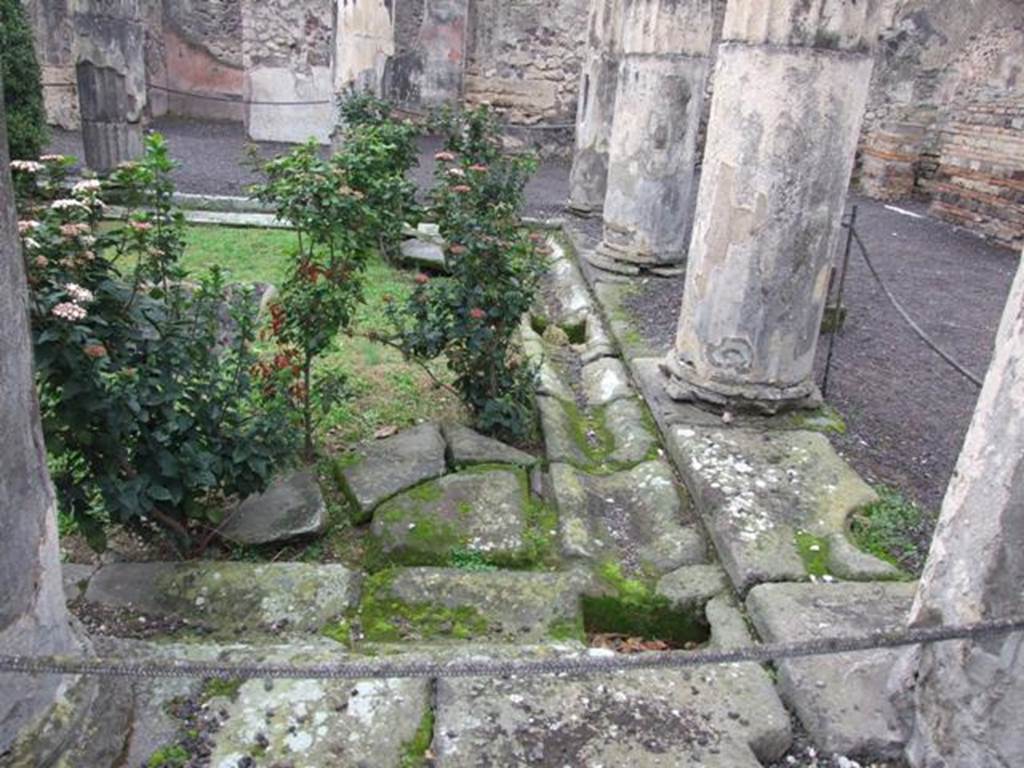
[
  {"x": 472, "y": 315},
  {"x": 150, "y": 408},
  {"x": 23, "y": 93},
  {"x": 335, "y": 230}
]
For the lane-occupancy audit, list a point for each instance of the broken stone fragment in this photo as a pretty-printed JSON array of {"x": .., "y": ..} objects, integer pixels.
[
  {"x": 382, "y": 468},
  {"x": 467, "y": 446},
  {"x": 292, "y": 507},
  {"x": 693, "y": 585},
  {"x": 424, "y": 254}
]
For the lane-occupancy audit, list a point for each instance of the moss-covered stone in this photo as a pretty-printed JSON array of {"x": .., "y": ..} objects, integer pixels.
[{"x": 414, "y": 751}]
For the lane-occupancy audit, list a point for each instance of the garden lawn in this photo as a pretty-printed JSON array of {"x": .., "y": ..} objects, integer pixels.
[{"x": 386, "y": 391}]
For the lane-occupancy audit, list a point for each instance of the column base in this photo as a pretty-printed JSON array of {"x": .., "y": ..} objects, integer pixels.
[
  {"x": 684, "y": 385},
  {"x": 630, "y": 261},
  {"x": 583, "y": 210}
]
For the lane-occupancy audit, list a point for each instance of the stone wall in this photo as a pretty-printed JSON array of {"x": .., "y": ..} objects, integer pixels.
[
  {"x": 945, "y": 118},
  {"x": 524, "y": 58}
]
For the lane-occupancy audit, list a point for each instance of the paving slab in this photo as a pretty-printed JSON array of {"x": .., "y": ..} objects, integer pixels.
[
  {"x": 605, "y": 380},
  {"x": 230, "y": 599},
  {"x": 612, "y": 296},
  {"x": 467, "y": 447},
  {"x": 760, "y": 492},
  {"x": 693, "y": 585},
  {"x": 76, "y": 578},
  {"x": 499, "y": 606},
  {"x": 477, "y": 510},
  {"x": 292, "y": 507},
  {"x": 723, "y": 717},
  {"x": 381, "y": 468},
  {"x": 601, "y": 439},
  {"x": 639, "y": 518},
  {"x": 568, "y": 288},
  {"x": 842, "y": 699}
]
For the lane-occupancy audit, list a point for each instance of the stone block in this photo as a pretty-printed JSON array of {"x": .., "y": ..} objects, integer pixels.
[
  {"x": 293, "y": 123},
  {"x": 292, "y": 507}
]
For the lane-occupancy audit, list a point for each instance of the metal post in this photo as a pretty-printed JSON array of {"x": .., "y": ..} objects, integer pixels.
[{"x": 839, "y": 298}]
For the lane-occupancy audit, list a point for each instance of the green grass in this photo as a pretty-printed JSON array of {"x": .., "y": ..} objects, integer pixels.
[
  {"x": 384, "y": 389},
  {"x": 894, "y": 529},
  {"x": 814, "y": 552}
]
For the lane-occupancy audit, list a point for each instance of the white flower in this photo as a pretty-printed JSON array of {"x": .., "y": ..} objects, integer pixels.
[
  {"x": 67, "y": 203},
  {"x": 26, "y": 226},
  {"x": 27, "y": 166},
  {"x": 31, "y": 243},
  {"x": 79, "y": 294},
  {"x": 53, "y": 158},
  {"x": 458, "y": 172},
  {"x": 66, "y": 310},
  {"x": 86, "y": 187}
]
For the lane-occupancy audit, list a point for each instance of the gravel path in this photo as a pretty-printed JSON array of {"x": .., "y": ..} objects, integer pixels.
[{"x": 907, "y": 411}]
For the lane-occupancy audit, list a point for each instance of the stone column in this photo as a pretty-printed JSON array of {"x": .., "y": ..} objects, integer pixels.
[
  {"x": 110, "y": 67},
  {"x": 364, "y": 43},
  {"x": 596, "y": 108},
  {"x": 33, "y": 619},
  {"x": 666, "y": 47},
  {"x": 969, "y": 697},
  {"x": 791, "y": 83}
]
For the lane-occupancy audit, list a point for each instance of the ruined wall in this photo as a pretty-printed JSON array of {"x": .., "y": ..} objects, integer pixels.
[
  {"x": 524, "y": 58},
  {"x": 54, "y": 36},
  {"x": 945, "y": 118},
  {"x": 287, "y": 53},
  {"x": 197, "y": 49}
]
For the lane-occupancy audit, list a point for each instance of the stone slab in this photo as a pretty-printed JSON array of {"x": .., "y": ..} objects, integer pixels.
[
  {"x": 230, "y": 599},
  {"x": 76, "y": 578},
  {"x": 568, "y": 288},
  {"x": 842, "y": 699},
  {"x": 612, "y": 297},
  {"x": 423, "y": 253},
  {"x": 292, "y": 507},
  {"x": 756, "y": 491},
  {"x": 617, "y": 435},
  {"x": 477, "y": 510},
  {"x": 383, "y": 468},
  {"x": 693, "y": 585},
  {"x": 517, "y": 606},
  {"x": 605, "y": 381},
  {"x": 721, "y": 717},
  {"x": 638, "y": 517},
  {"x": 467, "y": 447}
]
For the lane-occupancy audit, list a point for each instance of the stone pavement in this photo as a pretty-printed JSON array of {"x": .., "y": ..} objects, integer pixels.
[{"x": 643, "y": 520}]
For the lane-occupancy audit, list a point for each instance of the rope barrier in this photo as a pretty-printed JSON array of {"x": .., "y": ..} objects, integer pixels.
[
  {"x": 475, "y": 667},
  {"x": 976, "y": 380}
]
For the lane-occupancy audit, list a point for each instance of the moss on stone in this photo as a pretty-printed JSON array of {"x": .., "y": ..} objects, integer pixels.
[
  {"x": 384, "y": 618},
  {"x": 814, "y": 552},
  {"x": 216, "y": 687},
  {"x": 634, "y": 608},
  {"x": 567, "y": 629},
  {"x": 339, "y": 631},
  {"x": 171, "y": 756},
  {"x": 414, "y": 751},
  {"x": 825, "y": 419}
]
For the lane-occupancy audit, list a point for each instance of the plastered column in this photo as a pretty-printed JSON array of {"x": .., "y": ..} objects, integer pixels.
[
  {"x": 666, "y": 47},
  {"x": 969, "y": 697},
  {"x": 33, "y": 619},
  {"x": 596, "y": 107},
  {"x": 110, "y": 68},
  {"x": 364, "y": 43},
  {"x": 791, "y": 83}
]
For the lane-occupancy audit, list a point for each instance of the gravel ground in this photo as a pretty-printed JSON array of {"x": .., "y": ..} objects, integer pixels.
[{"x": 907, "y": 411}]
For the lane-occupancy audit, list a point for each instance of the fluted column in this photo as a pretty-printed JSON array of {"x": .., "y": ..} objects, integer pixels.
[
  {"x": 652, "y": 155},
  {"x": 790, "y": 88},
  {"x": 596, "y": 108},
  {"x": 33, "y": 619},
  {"x": 111, "y": 70},
  {"x": 968, "y": 697}
]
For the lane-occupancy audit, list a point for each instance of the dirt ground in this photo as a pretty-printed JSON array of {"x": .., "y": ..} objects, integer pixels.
[{"x": 907, "y": 411}]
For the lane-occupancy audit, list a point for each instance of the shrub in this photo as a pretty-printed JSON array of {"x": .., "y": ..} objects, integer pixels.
[
  {"x": 472, "y": 315},
  {"x": 149, "y": 403},
  {"x": 335, "y": 229},
  {"x": 376, "y": 159},
  {"x": 23, "y": 92}
]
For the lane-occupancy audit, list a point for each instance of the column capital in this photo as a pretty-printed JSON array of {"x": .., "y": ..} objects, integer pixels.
[{"x": 839, "y": 25}]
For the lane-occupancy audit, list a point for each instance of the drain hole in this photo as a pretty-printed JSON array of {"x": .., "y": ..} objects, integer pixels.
[{"x": 650, "y": 625}]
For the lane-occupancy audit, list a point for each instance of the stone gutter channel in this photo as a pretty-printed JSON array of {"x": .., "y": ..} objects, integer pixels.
[{"x": 728, "y": 532}]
